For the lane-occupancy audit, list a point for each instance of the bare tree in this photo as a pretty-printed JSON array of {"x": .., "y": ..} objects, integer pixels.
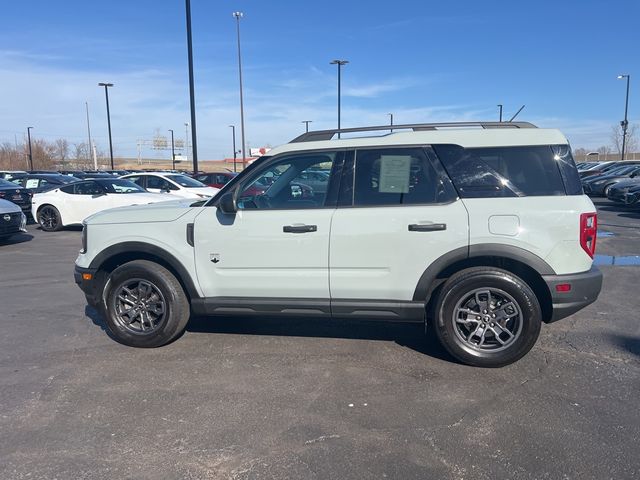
[
  {"x": 61, "y": 149},
  {"x": 632, "y": 138}
]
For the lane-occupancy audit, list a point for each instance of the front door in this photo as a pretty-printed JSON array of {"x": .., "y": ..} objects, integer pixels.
[
  {"x": 277, "y": 244},
  {"x": 401, "y": 215}
]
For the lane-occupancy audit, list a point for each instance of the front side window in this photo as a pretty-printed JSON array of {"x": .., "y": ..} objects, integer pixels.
[
  {"x": 280, "y": 185},
  {"x": 503, "y": 171},
  {"x": 88, "y": 188},
  {"x": 398, "y": 176},
  {"x": 120, "y": 186},
  {"x": 159, "y": 183}
]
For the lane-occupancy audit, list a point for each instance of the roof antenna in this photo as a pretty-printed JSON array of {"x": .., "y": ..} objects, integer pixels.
[{"x": 511, "y": 119}]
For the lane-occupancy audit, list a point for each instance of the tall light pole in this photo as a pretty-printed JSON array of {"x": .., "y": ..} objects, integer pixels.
[
  {"x": 192, "y": 97},
  {"x": 235, "y": 153},
  {"x": 173, "y": 151},
  {"x": 390, "y": 120},
  {"x": 339, "y": 63},
  {"x": 30, "y": 152},
  {"x": 306, "y": 125},
  {"x": 186, "y": 141},
  {"x": 238, "y": 16},
  {"x": 95, "y": 161},
  {"x": 106, "y": 94},
  {"x": 500, "y": 109},
  {"x": 625, "y": 123}
]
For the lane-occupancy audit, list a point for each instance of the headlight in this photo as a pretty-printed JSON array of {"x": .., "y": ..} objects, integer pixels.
[
  {"x": 23, "y": 223},
  {"x": 84, "y": 239}
]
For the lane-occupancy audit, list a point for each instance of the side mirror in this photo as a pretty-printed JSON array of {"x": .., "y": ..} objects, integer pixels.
[{"x": 227, "y": 204}]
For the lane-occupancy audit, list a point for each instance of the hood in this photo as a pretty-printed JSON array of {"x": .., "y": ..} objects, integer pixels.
[
  {"x": 151, "y": 212},
  {"x": 8, "y": 207}
]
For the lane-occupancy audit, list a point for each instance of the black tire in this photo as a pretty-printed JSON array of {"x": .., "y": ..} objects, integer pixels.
[
  {"x": 49, "y": 218},
  {"x": 159, "y": 286},
  {"x": 499, "y": 337}
]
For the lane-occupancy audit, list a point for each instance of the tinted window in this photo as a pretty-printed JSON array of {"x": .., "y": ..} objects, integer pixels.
[
  {"x": 68, "y": 189},
  {"x": 502, "y": 171},
  {"x": 120, "y": 186},
  {"x": 278, "y": 185},
  {"x": 568, "y": 170},
  {"x": 159, "y": 183},
  {"x": 398, "y": 176},
  {"x": 88, "y": 188}
]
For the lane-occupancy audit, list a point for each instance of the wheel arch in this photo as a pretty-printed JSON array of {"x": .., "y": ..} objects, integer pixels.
[
  {"x": 118, "y": 254},
  {"x": 518, "y": 261}
]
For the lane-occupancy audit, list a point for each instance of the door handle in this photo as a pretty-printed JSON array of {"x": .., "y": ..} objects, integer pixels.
[
  {"x": 427, "y": 227},
  {"x": 299, "y": 228}
]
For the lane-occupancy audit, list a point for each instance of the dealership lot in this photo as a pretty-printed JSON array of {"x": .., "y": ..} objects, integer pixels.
[{"x": 305, "y": 398}]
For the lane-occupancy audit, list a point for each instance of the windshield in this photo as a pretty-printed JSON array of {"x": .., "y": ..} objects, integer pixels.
[
  {"x": 120, "y": 186},
  {"x": 185, "y": 181},
  {"x": 5, "y": 184}
]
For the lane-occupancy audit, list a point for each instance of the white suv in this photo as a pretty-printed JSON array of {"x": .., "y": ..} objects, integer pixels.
[{"x": 482, "y": 228}]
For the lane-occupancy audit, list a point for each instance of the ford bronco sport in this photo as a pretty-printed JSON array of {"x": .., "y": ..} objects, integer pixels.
[{"x": 481, "y": 227}]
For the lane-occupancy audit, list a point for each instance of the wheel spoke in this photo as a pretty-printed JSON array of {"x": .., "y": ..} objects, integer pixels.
[{"x": 124, "y": 299}]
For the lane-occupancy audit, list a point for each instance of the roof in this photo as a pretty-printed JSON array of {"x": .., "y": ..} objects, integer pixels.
[{"x": 464, "y": 136}]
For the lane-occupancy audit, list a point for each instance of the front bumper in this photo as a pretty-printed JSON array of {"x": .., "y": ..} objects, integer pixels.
[
  {"x": 86, "y": 279},
  {"x": 585, "y": 288}
]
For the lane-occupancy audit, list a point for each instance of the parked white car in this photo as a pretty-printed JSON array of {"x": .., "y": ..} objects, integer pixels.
[
  {"x": 12, "y": 220},
  {"x": 73, "y": 203},
  {"x": 174, "y": 184}
]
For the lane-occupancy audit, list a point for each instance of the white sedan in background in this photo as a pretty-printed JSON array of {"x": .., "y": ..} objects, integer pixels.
[
  {"x": 71, "y": 204},
  {"x": 172, "y": 183}
]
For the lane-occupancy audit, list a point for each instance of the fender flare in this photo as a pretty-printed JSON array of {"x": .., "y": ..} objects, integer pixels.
[
  {"x": 151, "y": 250},
  {"x": 425, "y": 285}
]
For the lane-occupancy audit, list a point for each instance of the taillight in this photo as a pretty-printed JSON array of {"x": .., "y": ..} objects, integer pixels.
[{"x": 588, "y": 232}]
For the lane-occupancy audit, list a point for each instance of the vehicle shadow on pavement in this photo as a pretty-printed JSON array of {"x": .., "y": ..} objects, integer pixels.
[
  {"x": 628, "y": 343},
  {"x": 97, "y": 320},
  {"x": 409, "y": 335},
  {"x": 15, "y": 239}
]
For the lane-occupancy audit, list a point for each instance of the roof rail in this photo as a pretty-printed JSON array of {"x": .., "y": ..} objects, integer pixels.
[{"x": 319, "y": 135}]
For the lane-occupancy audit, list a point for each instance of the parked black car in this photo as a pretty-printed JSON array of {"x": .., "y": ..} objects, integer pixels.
[
  {"x": 87, "y": 175},
  {"x": 42, "y": 182},
  {"x": 599, "y": 185},
  {"x": 16, "y": 194}
]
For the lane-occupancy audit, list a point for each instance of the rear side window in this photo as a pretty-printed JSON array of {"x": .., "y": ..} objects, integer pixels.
[
  {"x": 505, "y": 171},
  {"x": 398, "y": 176}
]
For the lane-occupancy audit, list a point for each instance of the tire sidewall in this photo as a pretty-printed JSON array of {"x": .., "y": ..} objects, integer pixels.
[
  {"x": 514, "y": 286},
  {"x": 171, "y": 323}
]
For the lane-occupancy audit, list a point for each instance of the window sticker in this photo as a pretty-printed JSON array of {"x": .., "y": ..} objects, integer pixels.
[
  {"x": 395, "y": 171},
  {"x": 32, "y": 183}
]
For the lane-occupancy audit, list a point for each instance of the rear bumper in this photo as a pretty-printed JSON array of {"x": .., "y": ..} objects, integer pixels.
[{"x": 585, "y": 288}]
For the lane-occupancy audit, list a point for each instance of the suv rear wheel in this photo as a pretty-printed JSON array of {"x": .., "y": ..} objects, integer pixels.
[
  {"x": 487, "y": 317},
  {"x": 145, "y": 305}
]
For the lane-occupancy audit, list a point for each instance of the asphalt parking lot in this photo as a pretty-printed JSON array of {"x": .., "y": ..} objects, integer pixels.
[{"x": 300, "y": 398}]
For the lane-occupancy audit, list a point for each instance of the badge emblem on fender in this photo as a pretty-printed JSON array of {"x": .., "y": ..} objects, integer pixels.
[{"x": 214, "y": 257}]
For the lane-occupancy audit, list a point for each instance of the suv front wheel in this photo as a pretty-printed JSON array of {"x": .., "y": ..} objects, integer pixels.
[
  {"x": 487, "y": 317},
  {"x": 145, "y": 305}
]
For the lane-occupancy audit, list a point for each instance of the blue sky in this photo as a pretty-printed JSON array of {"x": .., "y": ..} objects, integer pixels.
[{"x": 421, "y": 60}]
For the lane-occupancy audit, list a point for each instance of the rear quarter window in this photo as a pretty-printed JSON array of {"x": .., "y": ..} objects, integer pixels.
[{"x": 509, "y": 171}]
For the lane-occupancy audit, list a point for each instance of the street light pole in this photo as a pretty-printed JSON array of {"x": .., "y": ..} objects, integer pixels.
[
  {"x": 238, "y": 16},
  {"x": 89, "y": 150},
  {"x": 625, "y": 123},
  {"x": 173, "y": 151},
  {"x": 339, "y": 63},
  {"x": 192, "y": 95},
  {"x": 30, "y": 152},
  {"x": 500, "y": 107},
  {"x": 235, "y": 153},
  {"x": 391, "y": 120},
  {"x": 306, "y": 125},
  {"x": 106, "y": 94}
]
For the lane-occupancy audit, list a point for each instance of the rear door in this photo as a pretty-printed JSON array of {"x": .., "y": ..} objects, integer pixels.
[{"x": 397, "y": 214}]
